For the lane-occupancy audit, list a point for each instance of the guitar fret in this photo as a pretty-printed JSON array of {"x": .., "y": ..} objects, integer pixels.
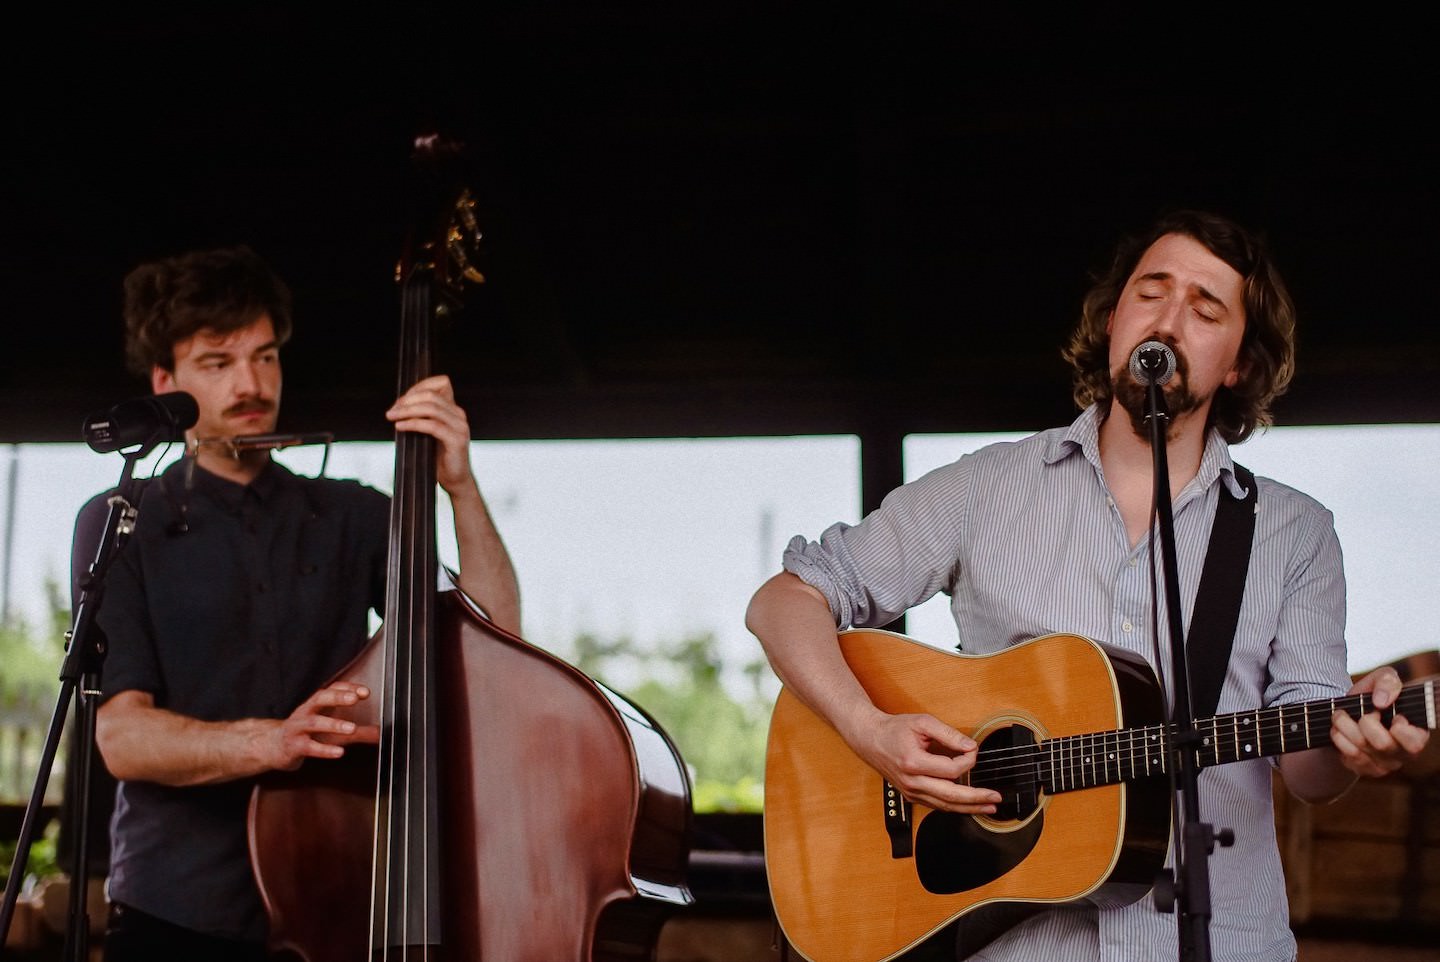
[
  {"x": 1273, "y": 744},
  {"x": 1073, "y": 762}
]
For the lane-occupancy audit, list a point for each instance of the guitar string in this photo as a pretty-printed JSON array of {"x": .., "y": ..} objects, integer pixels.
[
  {"x": 1077, "y": 757},
  {"x": 1271, "y": 723},
  {"x": 1317, "y": 725},
  {"x": 1267, "y": 717}
]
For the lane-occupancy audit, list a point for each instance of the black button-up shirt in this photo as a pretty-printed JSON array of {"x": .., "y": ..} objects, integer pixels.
[{"x": 230, "y": 601}]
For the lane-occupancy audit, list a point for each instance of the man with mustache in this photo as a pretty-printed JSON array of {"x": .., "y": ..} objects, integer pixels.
[
  {"x": 1050, "y": 534},
  {"x": 243, "y": 590}
]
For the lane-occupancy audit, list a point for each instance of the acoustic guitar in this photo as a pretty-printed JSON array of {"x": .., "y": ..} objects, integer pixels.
[{"x": 1072, "y": 734}]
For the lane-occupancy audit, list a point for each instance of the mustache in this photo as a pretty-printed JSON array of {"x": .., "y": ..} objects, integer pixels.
[{"x": 257, "y": 406}]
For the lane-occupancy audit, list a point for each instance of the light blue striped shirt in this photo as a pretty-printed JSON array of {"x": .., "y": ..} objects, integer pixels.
[{"x": 1026, "y": 539}]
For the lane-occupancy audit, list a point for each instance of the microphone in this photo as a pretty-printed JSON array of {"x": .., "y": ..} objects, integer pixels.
[
  {"x": 1152, "y": 362},
  {"x": 143, "y": 420}
]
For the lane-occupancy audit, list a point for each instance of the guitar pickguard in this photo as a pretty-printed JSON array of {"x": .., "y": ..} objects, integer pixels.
[{"x": 956, "y": 853}]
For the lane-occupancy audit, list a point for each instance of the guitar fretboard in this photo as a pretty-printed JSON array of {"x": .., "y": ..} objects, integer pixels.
[{"x": 1105, "y": 758}]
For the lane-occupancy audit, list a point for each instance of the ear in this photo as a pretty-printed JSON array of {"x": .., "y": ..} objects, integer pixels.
[
  {"x": 161, "y": 380},
  {"x": 1109, "y": 321},
  {"x": 1238, "y": 370}
]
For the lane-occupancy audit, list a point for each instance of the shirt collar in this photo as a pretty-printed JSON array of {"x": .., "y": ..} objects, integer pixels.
[
  {"x": 1083, "y": 437},
  {"x": 231, "y": 494}
]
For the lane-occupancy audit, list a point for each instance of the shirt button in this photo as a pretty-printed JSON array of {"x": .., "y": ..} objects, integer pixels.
[
  {"x": 1127, "y": 626},
  {"x": 1134, "y": 562}
]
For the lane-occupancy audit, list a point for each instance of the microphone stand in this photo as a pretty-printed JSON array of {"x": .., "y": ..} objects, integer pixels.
[
  {"x": 1187, "y": 890},
  {"x": 84, "y": 658}
]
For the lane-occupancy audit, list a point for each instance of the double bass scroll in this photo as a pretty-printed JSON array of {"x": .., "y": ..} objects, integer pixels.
[{"x": 515, "y": 810}]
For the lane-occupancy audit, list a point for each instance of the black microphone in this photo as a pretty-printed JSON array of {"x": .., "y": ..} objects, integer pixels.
[
  {"x": 142, "y": 420},
  {"x": 1152, "y": 361}
]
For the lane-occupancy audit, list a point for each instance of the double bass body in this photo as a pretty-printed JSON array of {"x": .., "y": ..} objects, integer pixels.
[{"x": 563, "y": 816}]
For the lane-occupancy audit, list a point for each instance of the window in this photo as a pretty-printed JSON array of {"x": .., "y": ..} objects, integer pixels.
[{"x": 625, "y": 551}]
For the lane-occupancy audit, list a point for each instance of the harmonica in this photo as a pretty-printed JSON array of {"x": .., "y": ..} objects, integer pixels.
[{"x": 262, "y": 442}]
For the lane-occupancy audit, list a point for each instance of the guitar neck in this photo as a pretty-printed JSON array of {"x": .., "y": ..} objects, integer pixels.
[{"x": 1106, "y": 758}]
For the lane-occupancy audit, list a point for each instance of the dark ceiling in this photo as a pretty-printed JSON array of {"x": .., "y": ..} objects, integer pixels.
[{"x": 708, "y": 218}]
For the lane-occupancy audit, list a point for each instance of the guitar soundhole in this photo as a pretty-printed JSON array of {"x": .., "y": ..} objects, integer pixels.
[
  {"x": 956, "y": 853},
  {"x": 1007, "y": 767}
]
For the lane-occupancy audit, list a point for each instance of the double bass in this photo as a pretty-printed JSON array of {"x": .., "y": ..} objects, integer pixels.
[{"x": 514, "y": 810}]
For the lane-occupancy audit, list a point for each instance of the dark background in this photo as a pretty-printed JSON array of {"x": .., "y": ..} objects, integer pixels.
[{"x": 707, "y": 218}]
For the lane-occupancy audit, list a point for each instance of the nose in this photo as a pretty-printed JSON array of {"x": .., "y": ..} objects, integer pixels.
[
  {"x": 1167, "y": 318},
  {"x": 247, "y": 379}
]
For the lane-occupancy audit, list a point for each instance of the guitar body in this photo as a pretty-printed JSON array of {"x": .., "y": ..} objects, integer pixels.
[{"x": 845, "y": 890}]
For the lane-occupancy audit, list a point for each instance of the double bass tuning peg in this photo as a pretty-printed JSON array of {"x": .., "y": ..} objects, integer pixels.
[{"x": 462, "y": 239}]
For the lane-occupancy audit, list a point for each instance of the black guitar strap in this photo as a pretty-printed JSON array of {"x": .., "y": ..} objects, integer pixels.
[{"x": 1222, "y": 586}]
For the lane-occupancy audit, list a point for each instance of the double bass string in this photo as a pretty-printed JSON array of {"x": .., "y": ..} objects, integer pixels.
[{"x": 405, "y": 770}]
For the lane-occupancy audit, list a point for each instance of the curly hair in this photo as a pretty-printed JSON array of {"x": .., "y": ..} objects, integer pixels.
[
  {"x": 1267, "y": 348},
  {"x": 221, "y": 290}
]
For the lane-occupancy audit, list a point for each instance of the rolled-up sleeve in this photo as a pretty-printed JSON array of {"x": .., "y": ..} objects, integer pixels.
[
  {"x": 897, "y": 557},
  {"x": 1307, "y": 656}
]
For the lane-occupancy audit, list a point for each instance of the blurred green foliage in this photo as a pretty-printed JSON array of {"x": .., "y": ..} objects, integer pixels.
[
  {"x": 42, "y": 861},
  {"x": 719, "y": 728}
]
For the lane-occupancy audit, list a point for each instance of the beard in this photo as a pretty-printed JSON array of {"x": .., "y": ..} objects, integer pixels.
[{"x": 1133, "y": 396}]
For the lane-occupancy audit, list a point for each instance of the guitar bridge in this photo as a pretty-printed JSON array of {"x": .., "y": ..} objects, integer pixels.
[{"x": 897, "y": 822}]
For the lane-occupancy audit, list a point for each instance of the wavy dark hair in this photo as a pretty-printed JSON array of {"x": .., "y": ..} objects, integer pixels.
[
  {"x": 1267, "y": 348},
  {"x": 221, "y": 290}
]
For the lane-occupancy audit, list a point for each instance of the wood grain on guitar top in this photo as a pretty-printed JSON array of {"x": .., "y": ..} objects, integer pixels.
[{"x": 842, "y": 896}]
